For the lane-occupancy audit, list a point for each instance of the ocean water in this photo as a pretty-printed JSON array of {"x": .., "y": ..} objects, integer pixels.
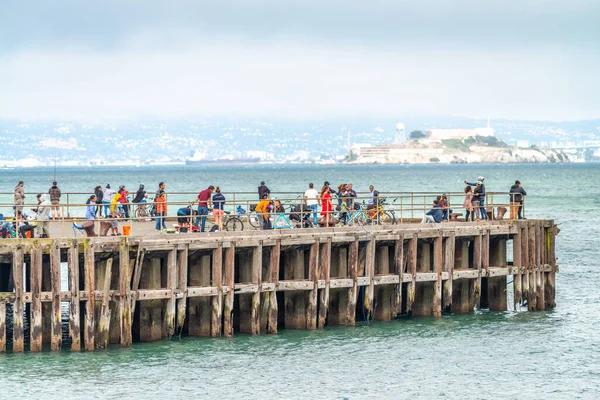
[{"x": 512, "y": 354}]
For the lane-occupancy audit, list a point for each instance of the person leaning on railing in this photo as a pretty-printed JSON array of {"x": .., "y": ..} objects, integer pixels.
[{"x": 517, "y": 195}]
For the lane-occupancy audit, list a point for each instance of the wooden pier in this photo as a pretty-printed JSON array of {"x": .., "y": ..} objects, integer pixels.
[{"x": 117, "y": 290}]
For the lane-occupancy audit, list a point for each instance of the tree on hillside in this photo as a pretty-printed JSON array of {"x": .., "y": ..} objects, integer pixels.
[{"x": 417, "y": 135}]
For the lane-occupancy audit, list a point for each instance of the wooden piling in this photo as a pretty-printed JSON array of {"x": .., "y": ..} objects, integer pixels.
[
  {"x": 74, "y": 305},
  {"x": 295, "y": 302},
  {"x": 532, "y": 268},
  {"x": 350, "y": 314},
  {"x": 477, "y": 264},
  {"x": 182, "y": 279},
  {"x": 412, "y": 265},
  {"x": 449, "y": 255},
  {"x": 104, "y": 314},
  {"x": 171, "y": 286},
  {"x": 438, "y": 265},
  {"x": 2, "y": 325},
  {"x": 312, "y": 297},
  {"x": 56, "y": 340},
  {"x": 18, "y": 335},
  {"x": 229, "y": 282},
  {"x": 35, "y": 318},
  {"x": 517, "y": 269},
  {"x": 150, "y": 311},
  {"x": 125, "y": 293},
  {"x": 256, "y": 279},
  {"x": 370, "y": 272},
  {"x": 324, "y": 274},
  {"x": 89, "y": 329},
  {"x": 525, "y": 294},
  {"x": 217, "y": 300},
  {"x": 398, "y": 270}
]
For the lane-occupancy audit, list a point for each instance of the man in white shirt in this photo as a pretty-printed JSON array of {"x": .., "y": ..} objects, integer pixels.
[{"x": 311, "y": 198}]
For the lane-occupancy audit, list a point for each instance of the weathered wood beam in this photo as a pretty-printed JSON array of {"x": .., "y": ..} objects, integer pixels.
[
  {"x": 35, "y": 317},
  {"x": 217, "y": 301},
  {"x": 104, "y": 316}
]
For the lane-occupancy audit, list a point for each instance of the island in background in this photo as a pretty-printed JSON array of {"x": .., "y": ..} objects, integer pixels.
[{"x": 450, "y": 146}]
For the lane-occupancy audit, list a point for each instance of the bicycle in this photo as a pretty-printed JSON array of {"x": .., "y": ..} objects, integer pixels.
[
  {"x": 231, "y": 223},
  {"x": 142, "y": 213},
  {"x": 379, "y": 215}
]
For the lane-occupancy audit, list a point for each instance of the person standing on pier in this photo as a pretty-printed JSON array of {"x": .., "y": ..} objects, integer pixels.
[
  {"x": 218, "y": 201},
  {"x": 124, "y": 201},
  {"x": 263, "y": 189},
  {"x": 107, "y": 197},
  {"x": 55, "y": 194},
  {"x": 517, "y": 195},
  {"x": 90, "y": 209},
  {"x": 161, "y": 211},
  {"x": 262, "y": 211},
  {"x": 468, "y": 204},
  {"x": 43, "y": 214},
  {"x": 479, "y": 193},
  {"x": 352, "y": 195},
  {"x": 99, "y": 195},
  {"x": 311, "y": 198},
  {"x": 326, "y": 206},
  {"x": 204, "y": 203},
  {"x": 19, "y": 197}
]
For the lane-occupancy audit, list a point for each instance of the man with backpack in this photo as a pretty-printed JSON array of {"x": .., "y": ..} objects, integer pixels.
[{"x": 55, "y": 194}]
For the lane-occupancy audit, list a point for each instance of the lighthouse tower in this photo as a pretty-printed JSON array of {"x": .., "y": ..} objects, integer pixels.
[{"x": 400, "y": 134}]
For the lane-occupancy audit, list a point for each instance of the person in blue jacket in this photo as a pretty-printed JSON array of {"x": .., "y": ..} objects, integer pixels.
[
  {"x": 434, "y": 215},
  {"x": 479, "y": 193}
]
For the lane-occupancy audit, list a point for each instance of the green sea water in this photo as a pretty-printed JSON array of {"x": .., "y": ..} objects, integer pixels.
[{"x": 512, "y": 354}]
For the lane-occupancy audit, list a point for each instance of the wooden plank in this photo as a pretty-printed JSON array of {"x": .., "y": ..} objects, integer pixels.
[
  {"x": 125, "y": 293},
  {"x": 2, "y": 326},
  {"x": 229, "y": 281},
  {"x": 532, "y": 268},
  {"x": 89, "y": 332},
  {"x": 517, "y": 269},
  {"x": 256, "y": 279},
  {"x": 324, "y": 274},
  {"x": 525, "y": 262},
  {"x": 35, "y": 315},
  {"x": 412, "y": 268},
  {"x": 56, "y": 339},
  {"x": 313, "y": 277},
  {"x": 171, "y": 285},
  {"x": 182, "y": 280},
  {"x": 477, "y": 261},
  {"x": 217, "y": 301},
  {"x": 448, "y": 266},
  {"x": 104, "y": 321},
  {"x": 398, "y": 270},
  {"x": 438, "y": 265},
  {"x": 18, "y": 335},
  {"x": 370, "y": 272},
  {"x": 137, "y": 276},
  {"x": 350, "y": 313},
  {"x": 485, "y": 252},
  {"x": 74, "y": 306}
]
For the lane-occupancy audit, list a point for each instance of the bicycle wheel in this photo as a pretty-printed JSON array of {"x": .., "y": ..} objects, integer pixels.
[
  {"x": 388, "y": 217},
  {"x": 234, "y": 224},
  {"x": 359, "y": 219},
  {"x": 253, "y": 220},
  {"x": 141, "y": 214}
]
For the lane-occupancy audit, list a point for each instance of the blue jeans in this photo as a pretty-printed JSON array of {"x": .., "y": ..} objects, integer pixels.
[
  {"x": 201, "y": 211},
  {"x": 314, "y": 208},
  {"x": 482, "y": 208},
  {"x": 106, "y": 208},
  {"x": 160, "y": 220}
]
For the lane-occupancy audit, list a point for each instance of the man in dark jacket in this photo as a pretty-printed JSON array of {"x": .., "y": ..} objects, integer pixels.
[
  {"x": 517, "y": 194},
  {"x": 434, "y": 215},
  {"x": 55, "y": 194},
  {"x": 262, "y": 190}
]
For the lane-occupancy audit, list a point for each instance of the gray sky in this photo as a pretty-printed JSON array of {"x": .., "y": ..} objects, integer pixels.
[{"x": 93, "y": 60}]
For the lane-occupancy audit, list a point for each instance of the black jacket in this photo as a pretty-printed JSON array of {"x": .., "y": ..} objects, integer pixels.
[
  {"x": 517, "y": 193},
  {"x": 262, "y": 190}
]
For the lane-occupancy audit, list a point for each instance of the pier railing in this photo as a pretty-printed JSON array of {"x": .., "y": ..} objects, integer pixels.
[{"x": 397, "y": 207}]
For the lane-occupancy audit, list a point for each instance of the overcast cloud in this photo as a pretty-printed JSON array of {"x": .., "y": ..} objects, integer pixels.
[{"x": 520, "y": 59}]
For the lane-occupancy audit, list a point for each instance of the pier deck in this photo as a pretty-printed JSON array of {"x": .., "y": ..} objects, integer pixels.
[{"x": 117, "y": 290}]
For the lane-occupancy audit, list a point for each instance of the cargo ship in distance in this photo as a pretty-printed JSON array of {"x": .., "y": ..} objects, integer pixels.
[{"x": 200, "y": 158}]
